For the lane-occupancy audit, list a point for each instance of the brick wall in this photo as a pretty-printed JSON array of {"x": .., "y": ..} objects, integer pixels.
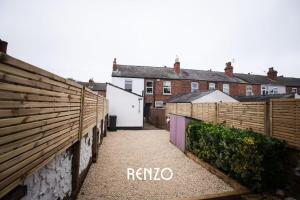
[
  {"x": 184, "y": 86},
  {"x": 289, "y": 89},
  {"x": 157, "y": 117}
]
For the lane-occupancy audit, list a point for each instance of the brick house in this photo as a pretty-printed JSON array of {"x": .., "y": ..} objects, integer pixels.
[
  {"x": 159, "y": 84},
  {"x": 100, "y": 88}
]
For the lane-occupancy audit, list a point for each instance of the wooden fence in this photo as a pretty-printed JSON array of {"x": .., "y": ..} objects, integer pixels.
[
  {"x": 41, "y": 115},
  {"x": 279, "y": 118}
]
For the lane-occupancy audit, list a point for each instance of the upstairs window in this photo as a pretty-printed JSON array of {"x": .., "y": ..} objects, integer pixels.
[
  {"x": 128, "y": 85},
  {"x": 294, "y": 90},
  {"x": 226, "y": 88},
  {"x": 264, "y": 90},
  {"x": 249, "y": 90},
  {"x": 149, "y": 87},
  {"x": 194, "y": 86},
  {"x": 167, "y": 88},
  {"x": 211, "y": 86},
  {"x": 275, "y": 90}
]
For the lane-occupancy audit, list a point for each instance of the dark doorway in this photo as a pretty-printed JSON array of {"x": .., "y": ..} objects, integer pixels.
[{"x": 147, "y": 111}]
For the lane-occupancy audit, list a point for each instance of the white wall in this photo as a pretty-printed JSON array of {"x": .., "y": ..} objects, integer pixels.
[
  {"x": 53, "y": 181},
  {"x": 86, "y": 151},
  {"x": 281, "y": 89},
  {"x": 137, "y": 84},
  {"x": 126, "y": 106},
  {"x": 215, "y": 96}
]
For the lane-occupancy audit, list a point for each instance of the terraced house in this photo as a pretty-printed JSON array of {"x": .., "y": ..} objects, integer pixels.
[{"x": 159, "y": 84}]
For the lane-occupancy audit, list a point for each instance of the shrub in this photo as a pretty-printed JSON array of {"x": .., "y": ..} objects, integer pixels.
[{"x": 254, "y": 159}]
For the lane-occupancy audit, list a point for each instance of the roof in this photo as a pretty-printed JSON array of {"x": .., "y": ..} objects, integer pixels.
[
  {"x": 263, "y": 98},
  {"x": 188, "y": 97},
  {"x": 288, "y": 81},
  {"x": 255, "y": 79},
  {"x": 124, "y": 89},
  {"x": 95, "y": 86},
  {"x": 134, "y": 71}
]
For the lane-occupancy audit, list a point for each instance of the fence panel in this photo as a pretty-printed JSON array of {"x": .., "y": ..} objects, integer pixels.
[
  {"x": 171, "y": 108},
  {"x": 205, "y": 112},
  {"x": 39, "y": 118},
  {"x": 89, "y": 110},
  {"x": 285, "y": 121},
  {"x": 250, "y": 115},
  {"x": 184, "y": 109}
]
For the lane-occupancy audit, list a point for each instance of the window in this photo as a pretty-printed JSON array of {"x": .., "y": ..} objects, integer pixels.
[
  {"x": 194, "y": 86},
  {"x": 264, "y": 90},
  {"x": 211, "y": 86},
  {"x": 275, "y": 90},
  {"x": 128, "y": 85},
  {"x": 294, "y": 90},
  {"x": 167, "y": 88},
  {"x": 249, "y": 90},
  {"x": 149, "y": 87},
  {"x": 226, "y": 88}
]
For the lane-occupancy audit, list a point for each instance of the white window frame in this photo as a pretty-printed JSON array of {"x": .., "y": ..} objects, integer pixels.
[
  {"x": 226, "y": 89},
  {"x": 264, "y": 88},
  {"x": 194, "y": 86},
  {"x": 211, "y": 86},
  {"x": 294, "y": 90},
  {"x": 165, "y": 85},
  {"x": 128, "y": 80},
  {"x": 147, "y": 87},
  {"x": 249, "y": 90},
  {"x": 275, "y": 90}
]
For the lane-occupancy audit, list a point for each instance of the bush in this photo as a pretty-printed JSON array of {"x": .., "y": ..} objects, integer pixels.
[{"x": 254, "y": 159}]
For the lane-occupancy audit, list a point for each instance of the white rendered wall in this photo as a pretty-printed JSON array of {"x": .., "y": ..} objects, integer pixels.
[
  {"x": 86, "y": 151},
  {"x": 127, "y": 107},
  {"x": 137, "y": 84},
  {"x": 269, "y": 88},
  {"x": 215, "y": 96},
  {"x": 53, "y": 181}
]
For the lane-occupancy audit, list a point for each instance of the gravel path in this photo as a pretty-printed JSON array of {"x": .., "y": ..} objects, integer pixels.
[{"x": 107, "y": 179}]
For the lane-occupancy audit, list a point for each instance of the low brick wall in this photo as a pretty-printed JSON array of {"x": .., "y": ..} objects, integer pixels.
[{"x": 157, "y": 117}]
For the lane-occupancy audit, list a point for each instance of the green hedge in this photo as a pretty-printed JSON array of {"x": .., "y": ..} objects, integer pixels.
[{"x": 255, "y": 160}]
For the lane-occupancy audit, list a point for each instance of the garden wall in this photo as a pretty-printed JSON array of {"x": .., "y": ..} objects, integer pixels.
[{"x": 157, "y": 117}]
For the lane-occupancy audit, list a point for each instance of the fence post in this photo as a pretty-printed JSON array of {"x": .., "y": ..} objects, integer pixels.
[
  {"x": 76, "y": 152},
  {"x": 191, "y": 110},
  {"x": 266, "y": 118},
  {"x": 271, "y": 118}
]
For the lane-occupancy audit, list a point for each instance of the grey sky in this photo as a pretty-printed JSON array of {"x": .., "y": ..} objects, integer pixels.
[{"x": 79, "y": 39}]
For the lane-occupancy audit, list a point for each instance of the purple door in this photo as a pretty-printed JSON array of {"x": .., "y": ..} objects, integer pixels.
[
  {"x": 173, "y": 129},
  {"x": 177, "y": 131}
]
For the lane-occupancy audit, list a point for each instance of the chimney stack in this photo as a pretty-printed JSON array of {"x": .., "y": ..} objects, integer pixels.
[
  {"x": 115, "y": 66},
  {"x": 272, "y": 74},
  {"x": 229, "y": 69},
  {"x": 177, "y": 65},
  {"x": 3, "y": 46}
]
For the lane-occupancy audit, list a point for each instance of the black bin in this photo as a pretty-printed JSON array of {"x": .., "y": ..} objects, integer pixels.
[{"x": 112, "y": 122}]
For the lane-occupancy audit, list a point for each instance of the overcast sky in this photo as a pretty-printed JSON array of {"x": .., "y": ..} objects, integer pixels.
[{"x": 79, "y": 39}]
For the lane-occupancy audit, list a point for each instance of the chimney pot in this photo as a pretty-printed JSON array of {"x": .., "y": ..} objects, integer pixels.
[
  {"x": 3, "y": 46},
  {"x": 229, "y": 69},
  {"x": 115, "y": 66}
]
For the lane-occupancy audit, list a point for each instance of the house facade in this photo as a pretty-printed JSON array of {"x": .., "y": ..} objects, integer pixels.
[
  {"x": 159, "y": 84},
  {"x": 100, "y": 88}
]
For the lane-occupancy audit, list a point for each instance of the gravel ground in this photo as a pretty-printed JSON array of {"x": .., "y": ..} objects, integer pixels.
[{"x": 107, "y": 179}]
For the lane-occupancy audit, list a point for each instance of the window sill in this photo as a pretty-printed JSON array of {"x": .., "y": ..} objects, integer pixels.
[
  {"x": 150, "y": 94},
  {"x": 167, "y": 94}
]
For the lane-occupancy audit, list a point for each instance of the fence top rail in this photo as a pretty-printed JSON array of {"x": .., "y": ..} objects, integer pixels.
[
  {"x": 286, "y": 100},
  {"x": 6, "y": 59},
  {"x": 90, "y": 91}
]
